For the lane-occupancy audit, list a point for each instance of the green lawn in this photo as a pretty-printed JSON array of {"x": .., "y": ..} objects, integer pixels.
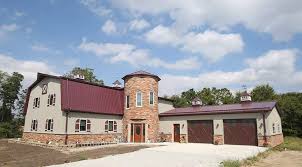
[{"x": 290, "y": 143}]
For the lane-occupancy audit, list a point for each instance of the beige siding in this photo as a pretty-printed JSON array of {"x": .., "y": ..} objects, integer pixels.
[
  {"x": 43, "y": 112},
  {"x": 166, "y": 123},
  {"x": 97, "y": 122},
  {"x": 273, "y": 117},
  {"x": 164, "y": 105}
]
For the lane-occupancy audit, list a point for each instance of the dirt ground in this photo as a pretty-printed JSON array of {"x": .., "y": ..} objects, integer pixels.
[
  {"x": 282, "y": 159},
  {"x": 15, "y": 155}
]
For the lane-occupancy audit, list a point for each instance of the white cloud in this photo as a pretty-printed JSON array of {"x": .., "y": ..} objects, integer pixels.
[
  {"x": 96, "y": 7},
  {"x": 109, "y": 27},
  {"x": 210, "y": 44},
  {"x": 279, "y": 18},
  {"x": 115, "y": 53},
  {"x": 7, "y": 28},
  {"x": 27, "y": 68},
  {"x": 138, "y": 24},
  {"x": 276, "y": 67},
  {"x": 71, "y": 62},
  {"x": 163, "y": 35},
  {"x": 45, "y": 49},
  {"x": 213, "y": 45},
  {"x": 19, "y": 14}
]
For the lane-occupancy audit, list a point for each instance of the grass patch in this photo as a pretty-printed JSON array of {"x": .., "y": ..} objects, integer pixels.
[
  {"x": 231, "y": 163},
  {"x": 290, "y": 143}
]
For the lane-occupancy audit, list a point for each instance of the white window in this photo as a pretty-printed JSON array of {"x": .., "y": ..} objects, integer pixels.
[
  {"x": 127, "y": 101},
  {"x": 279, "y": 129},
  {"x": 151, "y": 98},
  {"x": 82, "y": 125},
  {"x": 51, "y": 100},
  {"x": 49, "y": 125},
  {"x": 34, "y": 125},
  {"x": 110, "y": 126},
  {"x": 36, "y": 102},
  {"x": 139, "y": 101}
]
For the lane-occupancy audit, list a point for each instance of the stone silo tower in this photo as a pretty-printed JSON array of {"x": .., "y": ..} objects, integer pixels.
[{"x": 141, "y": 121}]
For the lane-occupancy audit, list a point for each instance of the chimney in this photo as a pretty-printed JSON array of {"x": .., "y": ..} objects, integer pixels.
[
  {"x": 245, "y": 97},
  {"x": 196, "y": 102},
  {"x": 117, "y": 84}
]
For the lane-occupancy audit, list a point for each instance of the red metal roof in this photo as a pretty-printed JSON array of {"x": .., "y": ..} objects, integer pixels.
[
  {"x": 84, "y": 97},
  {"x": 141, "y": 73},
  {"x": 222, "y": 109}
]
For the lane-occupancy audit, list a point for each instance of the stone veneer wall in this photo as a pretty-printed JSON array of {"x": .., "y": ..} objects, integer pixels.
[
  {"x": 147, "y": 114},
  {"x": 272, "y": 141},
  {"x": 72, "y": 138},
  {"x": 218, "y": 139},
  {"x": 43, "y": 138}
]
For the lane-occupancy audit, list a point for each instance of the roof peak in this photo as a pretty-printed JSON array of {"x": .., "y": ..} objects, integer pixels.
[{"x": 141, "y": 73}]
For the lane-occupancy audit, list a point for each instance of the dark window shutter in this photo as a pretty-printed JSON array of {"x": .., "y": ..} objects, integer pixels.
[
  {"x": 36, "y": 125},
  {"x": 115, "y": 126},
  {"x": 77, "y": 125},
  {"x": 34, "y": 105},
  {"x": 51, "y": 126},
  {"x": 48, "y": 101},
  {"x": 106, "y": 126},
  {"x": 46, "y": 125},
  {"x": 54, "y": 100},
  {"x": 38, "y": 103},
  {"x": 32, "y": 125},
  {"x": 88, "y": 125}
]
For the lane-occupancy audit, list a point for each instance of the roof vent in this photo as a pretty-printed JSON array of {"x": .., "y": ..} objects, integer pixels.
[
  {"x": 79, "y": 76},
  {"x": 196, "y": 102},
  {"x": 117, "y": 84},
  {"x": 245, "y": 97}
]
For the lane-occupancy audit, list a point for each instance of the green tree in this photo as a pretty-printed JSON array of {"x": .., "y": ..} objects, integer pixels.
[
  {"x": 88, "y": 73},
  {"x": 188, "y": 96},
  {"x": 291, "y": 113},
  {"x": 179, "y": 101},
  {"x": 207, "y": 97},
  {"x": 214, "y": 96},
  {"x": 263, "y": 93},
  {"x": 10, "y": 88}
]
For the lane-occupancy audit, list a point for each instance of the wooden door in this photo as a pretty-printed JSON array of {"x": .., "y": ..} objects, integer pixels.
[
  {"x": 176, "y": 133},
  {"x": 138, "y": 133},
  {"x": 200, "y": 131},
  {"x": 240, "y": 131}
]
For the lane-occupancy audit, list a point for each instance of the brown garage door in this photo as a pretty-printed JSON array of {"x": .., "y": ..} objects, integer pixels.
[
  {"x": 200, "y": 131},
  {"x": 240, "y": 131}
]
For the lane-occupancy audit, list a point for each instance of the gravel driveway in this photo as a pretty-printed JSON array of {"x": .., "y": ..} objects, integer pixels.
[{"x": 173, "y": 155}]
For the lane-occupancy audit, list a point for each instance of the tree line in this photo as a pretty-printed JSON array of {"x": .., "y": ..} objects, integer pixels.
[
  {"x": 12, "y": 99},
  {"x": 289, "y": 104}
]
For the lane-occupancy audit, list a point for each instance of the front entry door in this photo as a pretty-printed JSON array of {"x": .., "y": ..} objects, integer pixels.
[
  {"x": 138, "y": 133},
  {"x": 176, "y": 133}
]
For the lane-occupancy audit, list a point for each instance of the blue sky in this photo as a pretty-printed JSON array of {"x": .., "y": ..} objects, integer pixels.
[{"x": 189, "y": 44}]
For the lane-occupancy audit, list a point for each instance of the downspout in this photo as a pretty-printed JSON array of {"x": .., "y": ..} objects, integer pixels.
[
  {"x": 264, "y": 129},
  {"x": 67, "y": 112}
]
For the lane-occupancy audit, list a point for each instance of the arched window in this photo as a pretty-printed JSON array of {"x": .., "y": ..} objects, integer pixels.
[
  {"x": 51, "y": 100},
  {"x": 34, "y": 125}
]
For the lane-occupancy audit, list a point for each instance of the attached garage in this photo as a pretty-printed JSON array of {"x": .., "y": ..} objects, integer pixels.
[
  {"x": 200, "y": 131},
  {"x": 240, "y": 131}
]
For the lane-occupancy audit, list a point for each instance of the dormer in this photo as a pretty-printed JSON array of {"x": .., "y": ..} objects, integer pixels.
[
  {"x": 117, "y": 84},
  {"x": 196, "y": 102},
  {"x": 245, "y": 97}
]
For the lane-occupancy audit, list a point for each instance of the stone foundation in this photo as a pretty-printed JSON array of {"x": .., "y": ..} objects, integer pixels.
[
  {"x": 183, "y": 138},
  {"x": 272, "y": 141},
  {"x": 218, "y": 139},
  {"x": 43, "y": 138},
  {"x": 94, "y": 138},
  {"x": 59, "y": 139},
  {"x": 165, "y": 137}
]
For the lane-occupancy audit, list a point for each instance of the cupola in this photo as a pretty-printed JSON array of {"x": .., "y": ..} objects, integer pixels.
[
  {"x": 245, "y": 97},
  {"x": 117, "y": 84},
  {"x": 196, "y": 102}
]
